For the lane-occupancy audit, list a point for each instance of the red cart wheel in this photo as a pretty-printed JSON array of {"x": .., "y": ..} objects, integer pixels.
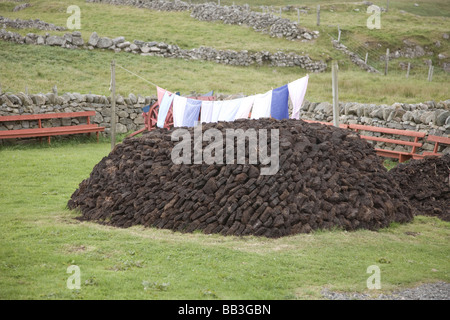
[{"x": 152, "y": 116}]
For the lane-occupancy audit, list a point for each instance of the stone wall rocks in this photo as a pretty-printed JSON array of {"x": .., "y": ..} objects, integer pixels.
[{"x": 230, "y": 57}]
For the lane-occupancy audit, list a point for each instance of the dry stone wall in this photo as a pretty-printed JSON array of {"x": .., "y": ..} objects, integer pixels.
[
  {"x": 229, "y": 57},
  {"x": 431, "y": 117},
  {"x": 235, "y": 14},
  {"x": 29, "y": 24}
]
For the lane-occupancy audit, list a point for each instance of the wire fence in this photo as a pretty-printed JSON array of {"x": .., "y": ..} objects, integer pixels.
[{"x": 374, "y": 54}]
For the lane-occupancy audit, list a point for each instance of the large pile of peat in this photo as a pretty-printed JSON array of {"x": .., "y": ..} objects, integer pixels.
[
  {"x": 426, "y": 184},
  {"x": 328, "y": 178}
]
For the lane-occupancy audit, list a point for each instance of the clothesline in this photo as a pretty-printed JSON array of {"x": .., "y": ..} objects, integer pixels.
[
  {"x": 136, "y": 75},
  {"x": 274, "y": 103}
]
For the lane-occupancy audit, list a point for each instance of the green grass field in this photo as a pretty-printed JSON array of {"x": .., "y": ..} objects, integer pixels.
[{"x": 40, "y": 239}]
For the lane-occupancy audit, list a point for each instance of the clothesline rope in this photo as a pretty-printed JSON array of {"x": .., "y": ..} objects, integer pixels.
[{"x": 136, "y": 75}]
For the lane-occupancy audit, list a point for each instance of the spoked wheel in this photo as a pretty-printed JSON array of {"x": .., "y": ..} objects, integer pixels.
[
  {"x": 168, "y": 124},
  {"x": 152, "y": 117}
]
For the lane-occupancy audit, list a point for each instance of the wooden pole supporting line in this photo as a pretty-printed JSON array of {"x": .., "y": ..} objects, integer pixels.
[
  {"x": 113, "y": 104},
  {"x": 367, "y": 56},
  {"x": 336, "y": 110},
  {"x": 339, "y": 34},
  {"x": 407, "y": 70},
  {"x": 318, "y": 14},
  {"x": 387, "y": 62},
  {"x": 430, "y": 72}
]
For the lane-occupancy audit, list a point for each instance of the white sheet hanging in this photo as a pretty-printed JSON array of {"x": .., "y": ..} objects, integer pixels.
[
  {"x": 217, "y": 106},
  {"x": 179, "y": 106},
  {"x": 206, "y": 111},
  {"x": 229, "y": 109},
  {"x": 245, "y": 107},
  {"x": 297, "y": 90},
  {"x": 261, "y": 105}
]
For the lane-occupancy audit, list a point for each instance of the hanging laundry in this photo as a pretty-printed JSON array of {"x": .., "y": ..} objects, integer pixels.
[
  {"x": 229, "y": 109},
  {"x": 179, "y": 106},
  {"x": 279, "y": 108},
  {"x": 245, "y": 107},
  {"x": 297, "y": 90},
  {"x": 217, "y": 107},
  {"x": 206, "y": 111},
  {"x": 261, "y": 106},
  {"x": 191, "y": 112},
  {"x": 160, "y": 93},
  {"x": 164, "y": 108},
  {"x": 209, "y": 94}
]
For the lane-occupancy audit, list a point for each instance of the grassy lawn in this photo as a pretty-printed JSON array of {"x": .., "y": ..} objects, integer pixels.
[{"x": 40, "y": 239}]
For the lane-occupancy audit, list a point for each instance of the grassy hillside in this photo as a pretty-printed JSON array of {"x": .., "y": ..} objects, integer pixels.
[{"x": 39, "y": 68}]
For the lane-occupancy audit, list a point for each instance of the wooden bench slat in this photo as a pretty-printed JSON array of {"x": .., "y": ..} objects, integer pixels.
[
  {"x": 52, "y": 131},
  {"x": 43, "y": 116},
  {"x": 439, "y": 139},
  {"x": 394, "y": 141},
  {"x": 387, "y": 130}
]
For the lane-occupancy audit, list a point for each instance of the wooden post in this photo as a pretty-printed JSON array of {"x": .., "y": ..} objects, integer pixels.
[
  {"x": 430, "y": 73},
  {"x": 298, "y": 16},
  {"x": 407, "y": 70},
  {"x": 318, "y": 14},
  {"x": 113, "y": 104},
  {"x": 367, "y": 56},
  {"x": 339, "y": 34},
  {"x": 26, "y": 90},
  {"x": 336, "y": 110},
  {"x": 387, "y": 6},
  {"x": 387, "y": 62}
]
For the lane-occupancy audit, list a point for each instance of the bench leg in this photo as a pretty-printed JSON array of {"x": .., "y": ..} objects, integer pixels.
[
  {"x": 48, "y": 139},
  {"x": 97, "y": 136}
]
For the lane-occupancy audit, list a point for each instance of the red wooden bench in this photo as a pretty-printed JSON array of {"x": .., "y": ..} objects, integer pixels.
[
  {"x": 400, "y": 155},
  {"x": 435, "y": 153},
  {"x": 341, "y": 125},
  {"x": 51, "y": 131}
]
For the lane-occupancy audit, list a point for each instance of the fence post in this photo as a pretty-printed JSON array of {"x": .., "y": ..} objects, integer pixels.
[
  {"x": 26, "y": 90},
  {"x": 367, "y": 56},
  {"x": 387, "y": 62},
  {"x": 387, "y": 6},
  {"x": 407, "y": 70},
  {"x": 113, "y": 104},
  {"x": 339, "y": 34},
  {"x": 336, "y": 110},
  {"x": 430, "y": 73},
  {"x": 298, "y": 15},
  {"x": 318, "y": 14},
  {"x": 0, "y": 88}
]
